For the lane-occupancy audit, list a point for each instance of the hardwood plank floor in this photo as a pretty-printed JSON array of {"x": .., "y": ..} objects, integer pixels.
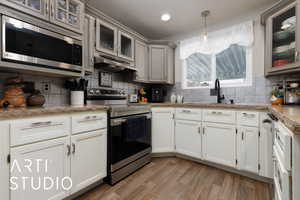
[{"x": 178, "y": 179}]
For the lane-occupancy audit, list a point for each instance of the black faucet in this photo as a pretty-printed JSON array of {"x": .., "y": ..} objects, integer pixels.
[{"x": 218, "y": 90}]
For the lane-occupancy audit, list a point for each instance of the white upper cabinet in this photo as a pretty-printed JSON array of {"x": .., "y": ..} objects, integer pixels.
[
  {"x": 54, "y": 163},
  {"x": 162, "y": 130},
  {"x": 65, "y": 13},
  {"x": 89, "y": 41},
  {"x": 161, "y": 64},
  {"x": 188, "y": 138},
  {"x": 247, "y": 149},
  {"x": 4, "y": 165},
  {"x": 125, "y": 46},
  {"x": 106, "y": 38},
  {"x": 68, "y": 13},
  {"x": 141, "y": 61},
  {"x": 219, "y": 143},
  {"x": 89, "y": 156},
  {"x": 37, "y": 8}
]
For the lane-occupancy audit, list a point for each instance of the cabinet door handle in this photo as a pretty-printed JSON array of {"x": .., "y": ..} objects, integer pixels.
[
  {"x": 199, "y": 130},
  {"x": 203, "y": 130},
  {"x": 47, "y": 7},
  {"x": 74, "y": 148},
  {"x": 242, "y": 135},
  {"x": 92, "y": 61},
  {"x": 69, "y": 150},
  {"x": 51, "y": 10}
]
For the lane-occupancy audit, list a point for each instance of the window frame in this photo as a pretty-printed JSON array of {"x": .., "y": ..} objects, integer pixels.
[{"x": 247, "y": 82}]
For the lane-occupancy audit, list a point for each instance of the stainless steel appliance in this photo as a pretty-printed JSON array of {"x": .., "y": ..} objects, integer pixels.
[
  {"x": 112, "y": 64},
  {"x": 27, "y": 43},
  {"x": 129, "y": 133}
]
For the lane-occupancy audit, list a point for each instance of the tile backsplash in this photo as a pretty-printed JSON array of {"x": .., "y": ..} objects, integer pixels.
[
  {"x": 58, "y": 95},
  {"x": 258, "y": 93}
]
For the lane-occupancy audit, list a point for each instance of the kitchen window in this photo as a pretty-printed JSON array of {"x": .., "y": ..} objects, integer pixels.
[{"x": 227, "y": 57}]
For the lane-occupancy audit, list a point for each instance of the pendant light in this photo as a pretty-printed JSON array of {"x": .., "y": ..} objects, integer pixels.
[{"x": 204, "y": 15}]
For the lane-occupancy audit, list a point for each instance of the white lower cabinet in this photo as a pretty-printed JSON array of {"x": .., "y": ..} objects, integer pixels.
[
  {"x": 219, "y": 143},
  {"x": 163, "y": 130},
  {"x": 266, "y": 146},
  {"x": 45, "y": 162},
  {"x": 188, "y": 138},
  {"x": 88, "y": 159},
  {"x": 4, "y": 165},
  {"x": 54, "y": 169},
  {"x": 247, "y": 149}
]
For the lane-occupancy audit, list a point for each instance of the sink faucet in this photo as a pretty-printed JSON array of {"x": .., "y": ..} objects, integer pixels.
[{"x": 218, "y": 90}]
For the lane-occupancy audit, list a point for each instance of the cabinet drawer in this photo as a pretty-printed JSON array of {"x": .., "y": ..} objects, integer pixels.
[
  {"x": 248, "y": 118},
  {"x": 88, "y": 122},
  {"x": 32, "y": 130},
  {"x": 219, "y": 116},
  {"x": 283, "y": 144},
  {"x": 188, "y": 114}
]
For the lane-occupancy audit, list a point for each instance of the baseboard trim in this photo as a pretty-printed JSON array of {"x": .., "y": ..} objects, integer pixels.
[{"x": 225, "y": 168}]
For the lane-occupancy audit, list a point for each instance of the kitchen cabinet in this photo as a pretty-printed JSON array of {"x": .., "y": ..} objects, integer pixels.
[
  {"x": 113, "y": 41},
  {"x": 86, "y": 170},
  {"x": 68, "y": 14},
  {"x": 89, "y": 41},
  {"x": 188, "y": 138},
  {"x": 65, "y": 13},
  {"x": 162, "y": 130},
  {"x": 266, "y": 146},
  {"x": 125, "y": 46},
  {"x": 247, "y": 149},
  {"x": 49, "y": 159},
  {"x": 282, "y": 41},
  {"x": 219, "y": 143},
  {"x": 4, "y": 165},
  {"x": 141, "y": 61},
  {"x": 161, "y": 64},
  {"x": 37, "y": 8},
  {"x": 106, "y": 38}
]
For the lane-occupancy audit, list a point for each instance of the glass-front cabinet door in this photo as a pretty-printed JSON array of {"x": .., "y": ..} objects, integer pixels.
[
  {"x": 37, "y": 8},
  {"x": 283, "y": 40},
  {"x": 126, "y": 46},
  {"x": 106, "y": 38},
  {"x": 68, "y": 13}
]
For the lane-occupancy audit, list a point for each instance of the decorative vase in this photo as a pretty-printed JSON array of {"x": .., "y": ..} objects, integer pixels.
[{"x": 36, "y": 99}]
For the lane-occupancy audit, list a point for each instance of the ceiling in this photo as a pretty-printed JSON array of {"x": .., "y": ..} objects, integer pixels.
[{"x": 144, "y": 15}]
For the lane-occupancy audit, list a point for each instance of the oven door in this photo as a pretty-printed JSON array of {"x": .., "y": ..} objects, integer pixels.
[
  {"x": 129, "y": 139},
  {"x": 26, "y": 43}
]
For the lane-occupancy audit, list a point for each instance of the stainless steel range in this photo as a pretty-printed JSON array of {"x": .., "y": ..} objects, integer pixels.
[{"x": 129, "y": 136}]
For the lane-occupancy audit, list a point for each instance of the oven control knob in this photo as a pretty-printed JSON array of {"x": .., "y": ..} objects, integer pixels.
[{"x": 97, "y": 92}]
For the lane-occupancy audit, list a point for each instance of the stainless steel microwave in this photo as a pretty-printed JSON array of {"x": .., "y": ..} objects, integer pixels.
[{"x": 26, "y": 43}]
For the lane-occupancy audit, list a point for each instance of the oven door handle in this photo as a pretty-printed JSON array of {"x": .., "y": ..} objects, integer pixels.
[{"x": 117, "y": 122}]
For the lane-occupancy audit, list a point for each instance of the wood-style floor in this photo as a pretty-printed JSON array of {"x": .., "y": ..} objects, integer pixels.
[{"x": 178, "y": 179}]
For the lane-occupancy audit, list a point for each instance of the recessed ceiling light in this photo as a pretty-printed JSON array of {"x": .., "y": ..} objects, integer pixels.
[{"x": 165, "y": 17}]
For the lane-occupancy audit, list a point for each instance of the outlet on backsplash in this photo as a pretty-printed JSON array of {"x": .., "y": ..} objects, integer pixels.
[{"x": 45, "y": 87}]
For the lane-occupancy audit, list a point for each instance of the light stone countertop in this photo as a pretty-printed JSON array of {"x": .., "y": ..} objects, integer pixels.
[
  {"x": 258, "y": 107},
  {"x": 15, "y": 113},
  {"x": 289, "y": 115}
]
